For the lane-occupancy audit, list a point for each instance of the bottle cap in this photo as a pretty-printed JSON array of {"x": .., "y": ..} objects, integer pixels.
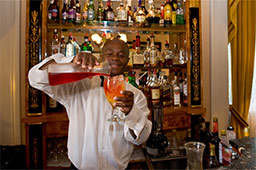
[
  {"x": 223, "y": 132},
  {"x": 215, "y": 119},
  {"x": 230, "y": 128}
]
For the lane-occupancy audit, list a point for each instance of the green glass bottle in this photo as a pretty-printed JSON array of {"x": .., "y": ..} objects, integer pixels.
[{"x": 91, "y": 12}]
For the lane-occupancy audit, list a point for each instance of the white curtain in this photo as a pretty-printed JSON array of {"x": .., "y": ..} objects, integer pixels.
[
  {"x": 10, "y": 57},
  {"x": 252, "y": 112}
]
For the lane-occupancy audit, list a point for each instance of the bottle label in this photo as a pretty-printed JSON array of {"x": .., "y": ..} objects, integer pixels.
[
  {"x": 155, "y": 94},
  {"x": 140, "y": 18},
  {"x": 173, "y": 17},
  {"x": 110, "y": 16},
  {"x": 138, "y": 58},
  {"x": 71, "y": 14},
  {"x": 78, "y": 17},
  {"x": 52, "y": 103},
  {"x": 167, "y": 14},
  {"x": 64, "y": 15},
  {"x": 90, "y": 15},
  {"x": 121, "y": 15},
  {"x": 85, "y": 15},
  {"x": 185, "y": 89},
  {"x": 69, "y": 50},
  {"x": 220, "y": 153},
  {"x": 166, "y": 93},
  {"x": 55, "y": 49},
  {"x": 176, "y": 98},
  {"x": 54, "y": 13},
  {"x": 152, "y": 59},
  {"x": 215, "y": 127},
  {"x": 49, "y": 15}
]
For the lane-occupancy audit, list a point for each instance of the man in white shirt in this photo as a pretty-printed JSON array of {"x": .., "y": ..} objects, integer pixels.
[{"x": 93, "y": 142}]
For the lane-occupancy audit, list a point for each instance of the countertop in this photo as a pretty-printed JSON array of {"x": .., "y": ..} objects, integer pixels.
[{"x": 247, "y": 159}]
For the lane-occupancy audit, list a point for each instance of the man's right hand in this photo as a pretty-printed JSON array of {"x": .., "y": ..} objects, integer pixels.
[{"x": 86, "y": 60}]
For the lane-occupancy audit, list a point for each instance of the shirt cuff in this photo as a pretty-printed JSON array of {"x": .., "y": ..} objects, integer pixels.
[{"x": 135, "y": 120}]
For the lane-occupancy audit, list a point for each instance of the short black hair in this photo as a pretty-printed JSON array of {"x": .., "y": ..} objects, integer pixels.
[{"x": 121, "y": 41}]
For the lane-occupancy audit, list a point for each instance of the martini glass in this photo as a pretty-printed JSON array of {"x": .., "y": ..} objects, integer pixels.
[{"x": 113, "y": 87}]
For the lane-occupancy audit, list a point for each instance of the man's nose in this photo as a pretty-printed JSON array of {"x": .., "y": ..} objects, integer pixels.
[{"x": 115, "y": 56}]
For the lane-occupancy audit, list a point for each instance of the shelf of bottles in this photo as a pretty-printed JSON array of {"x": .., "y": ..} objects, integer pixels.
[{"x": 155, "y": 33}]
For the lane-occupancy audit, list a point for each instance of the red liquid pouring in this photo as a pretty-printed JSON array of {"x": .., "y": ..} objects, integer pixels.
[{"x": 63, "y": 78}]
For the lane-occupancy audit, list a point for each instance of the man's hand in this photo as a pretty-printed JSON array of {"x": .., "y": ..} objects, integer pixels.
[
  {"x": 86, "y": 60},
  {"x": 125, "y": 102}
]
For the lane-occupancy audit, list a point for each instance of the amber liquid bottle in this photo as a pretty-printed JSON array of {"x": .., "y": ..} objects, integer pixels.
[
  {"x": 213, "y": 162},
  {"x": 155, "y": 95}
]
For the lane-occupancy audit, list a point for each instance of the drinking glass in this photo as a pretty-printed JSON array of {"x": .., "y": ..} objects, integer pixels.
[
  {"x": 194, "y": 152},
  {"x": 113, "y": 87}
]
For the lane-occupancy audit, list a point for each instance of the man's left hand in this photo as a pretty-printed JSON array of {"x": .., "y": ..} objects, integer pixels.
[{"x": 125, "y": 102}]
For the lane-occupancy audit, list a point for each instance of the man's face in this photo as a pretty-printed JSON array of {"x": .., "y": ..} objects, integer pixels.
[{"x": 116, "y": 52}]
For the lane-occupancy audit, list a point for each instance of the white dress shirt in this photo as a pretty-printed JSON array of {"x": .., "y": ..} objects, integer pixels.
[{"x": 93, "y": 142}]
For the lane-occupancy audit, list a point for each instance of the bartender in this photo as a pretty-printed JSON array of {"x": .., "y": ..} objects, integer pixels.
[{"x": 94, "y": 142}]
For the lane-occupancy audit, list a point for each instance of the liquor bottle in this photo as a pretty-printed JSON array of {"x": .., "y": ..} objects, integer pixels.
[
  {"x": 180, "y": 82},
  {"x": 55, "y": 43},
  {"x": 185, "y": 90},
  {"x": 70, "y": 49},
  {"x": 154, "y": 91},
  {"x": 157, "y": 141},
  {"x": 166, "y": 92},
  {"x": 131, "y": 79},
  {"x": 174, "y": 143},
  {"x": 180, "y": 13},
  {"x": 174, "y": 12},
  {"x": 231, "y": 133},
  {"x": 183, "y": 54},
  {"x": 121, "y": 15},
  {"x": 71, "y": 11},
  {"x": 55, "y": 12},
  {"x": 62, "y": 45},
  {"x": 138, "y": 57},
  {"x": 161, "y": 21},
  {"x": 189, "y": 137},
  {"x": 216, "y": 140},
  {"x": 206, "y": 139},
  {"x": 109, "y": 13},
  {"x": 167, "y": 55},
  {"x": 89, "y": 48},
  {"x": 146, "y": 53},
  {"x": 76, "y": 46},
  {"x": 78, "y": 12},
  {"x": 143, "y": 7},
  {"x": 85, "y": 11},
  {"x": 100, "y": 12},
  {"x": 226, "y": 152},
  {"x": 175, "y": 54},
  {"x": 213, "y": 161},
  {"x": 130, "y": 18},
  {"x": 50, "y": 8},
  {"x": 84, "y": 46},
  {"x": 55, "y": 46},
  {"x": 176, "y": 92},
  {"x": 167, "y": 12},
  {"x": 140, "y": 16},
  {"x": 90, "y": 12},
  {"x": 64, "y": 12},
  {"x": 153, "y": 52},
  {"x": 152, "y": 16}
]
